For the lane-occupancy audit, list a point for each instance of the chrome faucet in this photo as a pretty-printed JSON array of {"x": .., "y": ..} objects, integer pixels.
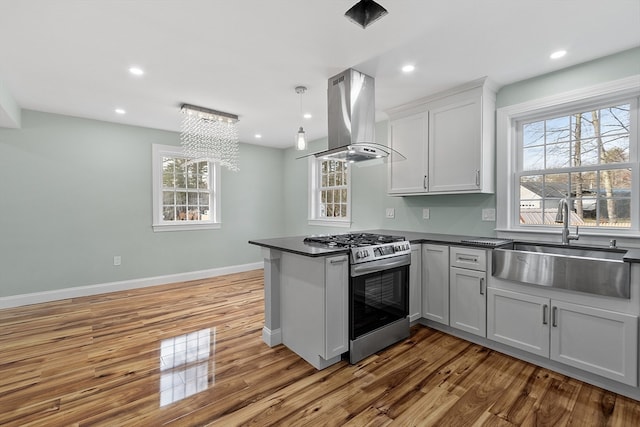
[{"x": 563, "y": 217}]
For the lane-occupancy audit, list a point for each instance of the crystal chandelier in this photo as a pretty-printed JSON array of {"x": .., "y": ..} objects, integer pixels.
[{"x": 210, "y": 135}]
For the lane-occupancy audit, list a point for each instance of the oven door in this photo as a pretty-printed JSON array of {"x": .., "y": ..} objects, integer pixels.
[{"x": 378, "y": 294}]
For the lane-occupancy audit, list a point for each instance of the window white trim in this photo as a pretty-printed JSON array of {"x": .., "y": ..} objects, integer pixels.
[
  {"x": 507, "y": 150},
  {"x": 314, "y": 218},
  {"x": 157, "y": 152}
]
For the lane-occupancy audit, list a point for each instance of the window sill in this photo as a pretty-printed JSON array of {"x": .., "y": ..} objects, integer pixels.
[
  {"x": 186, "y": 227},
  {"x": 331, "y": 222}
]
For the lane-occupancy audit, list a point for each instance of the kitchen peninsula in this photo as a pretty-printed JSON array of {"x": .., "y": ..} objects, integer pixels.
[{"x": 452, "y": 289}]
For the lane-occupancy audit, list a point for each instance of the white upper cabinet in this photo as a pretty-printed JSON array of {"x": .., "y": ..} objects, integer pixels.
[
  {"x": 448, "y": 140},
  {"x": 410, "y": 138}
]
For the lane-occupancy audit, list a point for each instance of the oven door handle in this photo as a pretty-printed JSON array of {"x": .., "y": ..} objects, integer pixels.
[{"x": 380, "y": 265}]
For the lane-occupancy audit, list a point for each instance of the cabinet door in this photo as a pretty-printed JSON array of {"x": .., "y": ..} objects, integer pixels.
[
  {"x": 518, "y": 320},
  {"x": 415, "y": 283},
  {"x": 468, "y": 300},
  {"x": 408, "y": 136},
  {"x": 435, "y": 283},
  {"x": 337, "y": 306},
  {"x": 455, "y": 146},
  {"x": 599, "y": 341}
]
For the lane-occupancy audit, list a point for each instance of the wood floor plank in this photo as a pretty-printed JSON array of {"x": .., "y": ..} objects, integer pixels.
[{"x": 98, "y": 361}]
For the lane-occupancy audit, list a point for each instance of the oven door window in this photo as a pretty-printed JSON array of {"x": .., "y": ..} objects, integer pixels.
[{"x": 378, "y": 299}]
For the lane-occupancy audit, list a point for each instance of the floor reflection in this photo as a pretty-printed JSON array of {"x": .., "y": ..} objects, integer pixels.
[{"x": 185, "y": 363}]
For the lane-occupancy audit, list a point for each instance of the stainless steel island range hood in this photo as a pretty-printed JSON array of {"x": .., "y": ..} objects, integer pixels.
[{"x": 351, "y": 119}]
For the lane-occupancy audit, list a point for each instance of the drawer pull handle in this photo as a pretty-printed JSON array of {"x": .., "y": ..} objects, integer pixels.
[
  {"x": 554, "y": 317},
  {"x": 481, "y": 285},
  {"x": 338, "y": 261},
  {"x": 544, "y": 314},
  {"x": 477, "y": 178},
  {"x": 425, "y": 182},
  {"x": 469, "y": 259}
]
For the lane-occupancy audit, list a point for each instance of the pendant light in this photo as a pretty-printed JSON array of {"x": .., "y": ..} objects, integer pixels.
[{"x": 301, "y": 137}]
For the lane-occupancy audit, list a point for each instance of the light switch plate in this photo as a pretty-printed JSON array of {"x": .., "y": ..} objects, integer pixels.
[
  {"x": 488, "y": 214},
  {"x": 425, "y": 213},
  {"x": 390, "y": 213}
]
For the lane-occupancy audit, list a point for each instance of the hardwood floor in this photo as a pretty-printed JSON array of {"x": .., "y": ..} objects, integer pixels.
[{"x": 191, "y": 354}]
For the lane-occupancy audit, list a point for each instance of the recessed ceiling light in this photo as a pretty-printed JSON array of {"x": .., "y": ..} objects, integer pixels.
[
  {"x": 558, "y": 54},
  {"x": 408, "y": 68},
  {"x": 136, "y": 71},
  {"x": 257, "y": 136},
  {"x": 307, "y": 115},
  {"x": 120, "y": 111}
]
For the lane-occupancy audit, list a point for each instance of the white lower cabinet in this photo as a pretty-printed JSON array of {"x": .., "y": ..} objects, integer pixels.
[
  {"x": 415, "y": 283},
  {"x": 337, "y": 306},
  {"x": 314, "y": 307},
  {"x": 468, "y": 304},
  {"x": 435, "y": 283},
  {"x": 599, "y": 341}
]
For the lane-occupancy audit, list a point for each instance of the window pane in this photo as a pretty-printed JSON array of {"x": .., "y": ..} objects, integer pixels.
[
  {"x": 558, "y": 130},
  {"x": 168, "y": 198},
  {"x": 615, "y": 149},
  {"x": 193, "y": 199},
  {"x": 558, "y": 156},
  {"x": 343, "y": 210},
  {"x": 533, "y": 134},
  {"x": 329, "y": 210},
  {"x": 168, "y": 213},
  {"x": 344, "y": 196},
  {"x": 585, "y": 152},
  {"x": 533, "y": 158},
  {"x": 181, "y": 198},
  {"x": 204, "y": 199}
]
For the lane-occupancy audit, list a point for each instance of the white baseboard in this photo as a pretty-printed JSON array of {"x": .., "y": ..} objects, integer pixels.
[
  {"x": 83, "y": 291},
  {"x": 271, "y": 338}
]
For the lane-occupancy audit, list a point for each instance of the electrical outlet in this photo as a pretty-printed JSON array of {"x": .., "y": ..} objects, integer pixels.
[
  {"x": 488, "y": 214},
  {"x": 117, "y": 260},
  {"x": 425, "y": 213},
  {"x": 390, "y": 213}
]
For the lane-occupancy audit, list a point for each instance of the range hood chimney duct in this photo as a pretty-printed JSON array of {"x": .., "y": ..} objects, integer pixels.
[{"x": 351, "y": 119}]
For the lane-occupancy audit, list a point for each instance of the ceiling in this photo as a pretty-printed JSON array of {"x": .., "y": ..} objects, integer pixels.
[{"x": 247, "y": 56}]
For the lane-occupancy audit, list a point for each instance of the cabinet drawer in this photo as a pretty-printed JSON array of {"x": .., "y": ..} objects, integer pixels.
[{"x": 473, "y": 259}]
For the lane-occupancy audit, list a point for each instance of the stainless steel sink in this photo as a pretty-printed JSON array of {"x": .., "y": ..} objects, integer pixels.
[{"x": 583, "y": 269}]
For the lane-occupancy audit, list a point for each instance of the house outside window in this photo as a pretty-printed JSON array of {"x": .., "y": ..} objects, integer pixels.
[
  {"x": 583, "y": 147},
  {"x": 329, "y": 193},
  {"x": 186, "y": 192}
]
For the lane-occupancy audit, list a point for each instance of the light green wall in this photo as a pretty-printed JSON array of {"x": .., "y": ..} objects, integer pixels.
[
  {"x": 456, "y": 214},
  {"x": 448, "y": 213},
  {"x": 76, "y": 192},
  {"x": 609, "y": 68}
]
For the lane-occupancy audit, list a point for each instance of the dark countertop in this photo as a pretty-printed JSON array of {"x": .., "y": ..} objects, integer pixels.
[
  {"x": 632, "y": 255},
  {"x": 295, "y": 244}
]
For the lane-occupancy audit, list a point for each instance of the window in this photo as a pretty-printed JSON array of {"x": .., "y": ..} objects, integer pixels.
[
  {"x": 185, "y": 191},
  {"x": 582, "y": 147},
  {"x": 583, "y": 156},
  {"x": 329, "y": 194}
]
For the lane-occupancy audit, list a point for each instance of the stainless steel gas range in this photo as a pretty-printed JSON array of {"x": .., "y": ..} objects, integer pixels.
[{"x": 378, "y": 289}]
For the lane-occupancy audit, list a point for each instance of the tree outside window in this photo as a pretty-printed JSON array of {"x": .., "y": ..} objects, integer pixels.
[{"x": 584, "y": 157}]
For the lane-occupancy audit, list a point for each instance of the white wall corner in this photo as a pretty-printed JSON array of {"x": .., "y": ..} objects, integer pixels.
[{"x": 10, "y": 111}]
